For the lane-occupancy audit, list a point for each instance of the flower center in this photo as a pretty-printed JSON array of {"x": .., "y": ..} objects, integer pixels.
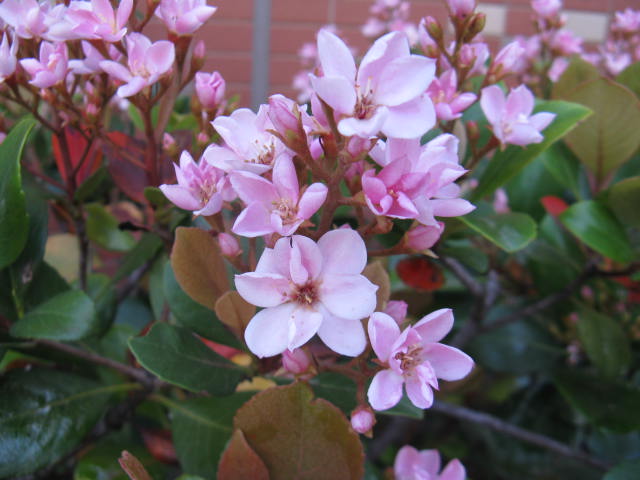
[
  {"x": 265, "y": 152},
  {"x": 287, "y": 211},
  {"x": 365, "y": 108},
  {"x": 306, "y": 295},
  {"x": 409, "y": 359}
]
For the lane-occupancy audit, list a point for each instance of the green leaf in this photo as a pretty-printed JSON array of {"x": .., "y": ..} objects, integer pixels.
[
  {"x": 623, "y": 199},
  {"x": 91, "y": 186},
  {"x": 67, "y": 316},
  {"x": 175, "y": 355},
  {"x": 283, "y": 423},
  {"x": 14, "y": 222},
  {"x": 607, "y": 139},
  {"x": 630, "y": 78},
  {"x": 201, "y": 428},
  {"x": 629, "y": 470},
  {"x": 578, "y": 72},
  {"x": 198, "y": 266},
  {"x": 193, "y": 315},
  {"x": 594, "y": 225},
  {"x": 44, "y": 414},
  {"x": 146, "y": 248},
  {"x": 510, "y": 231},
  {"x": 604, "y": 341},
  {"x": 102, "y": 228},
  {"x": 519, "y": 347},
  {"x": 466, "y": 253},
  {"x": 506, "y": 164},
  {"x": 605, "y": 403},
  {"x": 563, "y": 165}
]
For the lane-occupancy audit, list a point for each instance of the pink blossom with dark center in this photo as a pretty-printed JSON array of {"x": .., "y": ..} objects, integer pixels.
[
  {"x": 412, "y": 464},
  {"x": 448, "y": 102},
  {"x": 51, "y": 68}
]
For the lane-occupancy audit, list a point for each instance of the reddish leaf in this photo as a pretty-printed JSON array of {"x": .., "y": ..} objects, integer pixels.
[
  {"x": 420, "y": 273},
  {"x": 132, "y": 467},
  {"x": 128, "y": 177},
  {"x": 222, "y": 350},
  {"x": 198, "y": 266},
  {"x": 77, "y": 145},
  {"x": 240, "y": 462},
  {"x": 160, "y": 445},
  {"x": 299, "y": 437},
  {"x": 633, "y": 288},
  {"x": 554, "y": 205}
]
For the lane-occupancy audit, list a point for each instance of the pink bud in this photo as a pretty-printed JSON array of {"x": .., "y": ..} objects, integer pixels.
[
  {"x": 169, "y": 143},
  {"x": 397, "y": 309},
  {"x": 2, "y": 136},
  {"x": 461, "y": 8},
  {"x": 210, "y": 88},
  {"x": 282, "y": 113},
  {"x": 501, "y": 201},
  {"x": 229, "y": 245},
  {"x": 295, "y": 361},
  {"x": 199, "y": 50},
  {"x": 363, "y": 420},
  {"x": 423, "y": 237},
  {"x": 508, "y": 60},
  {"x": 202, "y": 138}
]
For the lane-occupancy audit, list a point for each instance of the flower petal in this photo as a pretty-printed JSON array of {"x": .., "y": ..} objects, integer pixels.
[
  {"x": 341, "y": 335},
  {"x": 348, "y": 296},
  {"x": 263, "y": 289},
  {"x": 337, "y": 92},
  {"x": 385, "y": 390},
  {"x": 453, "y": 471},
  {"x": 435, "y": 326},
  {"x": 311, "y": 200},
  {"x": 493, "y": 103},
  {"x": 343, "y": 252},
  {"x": 304, "y": 325},
  {"x": 411, "y": 119},
  {"x": 383, "y": 331},
  {"x": 335, "y": 57},
  {"x": 404, "y": 79},
  {"x": 180, "y": 197},
  {"x": 253, "y": 221},
  {"x": 449, "y": 363},
  {"x": 267, "y": 333},
  {"x": 420, "y": 394}
]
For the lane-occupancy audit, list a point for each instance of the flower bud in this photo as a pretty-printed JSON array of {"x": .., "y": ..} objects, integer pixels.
[
  {"x": 508, "y": 60},
  {"x": 433, "y": 28},
  {"x": 210, "y": 89},
  {"x": 424, "y": 237},
  {"x": 461, "y": 8},
  {"x": 363, "y": 420},
  {"x": 397, "y": 309},
  {"x": 295, "y": 361},
  {"x": 197, "y": 58},
  {"x": 228, "y": 245},
  {"x": 284, "y": 115},
  {"x": 202, "y": 139},
  {"x": 169, "y": 144},
  {"x": 476, "y": 25}
]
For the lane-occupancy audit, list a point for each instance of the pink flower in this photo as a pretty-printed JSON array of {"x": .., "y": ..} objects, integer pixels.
[
  {"x": 93, "y": 57},
  {"x": 448, "y": 102},
  {"x": 412, "y": 464},
  {"x": 566, "y": 43},
  {"x": 8, "y": 59},
  {"x": 558, "y": 66},
  {"x": 386, "y": 93},
  {"x": 98, "y": 20},
  {"x": 510, "y": 59},
  {"x": 511, "y": 118},
  {"x": 249, "y": 145},
  {"x": 27, "y": 17},
  {"x": 147, "y": 62},
  {"x": 627, "y": 21},
  {"x": 461, "y": 8},
  {"x": 414, "y": 358},
  {"x": 184, "y": 17},
  {"x": 229, "y": 246},
  {"x": 307, "y": 288},
  {"x": 416, "y": 181},
  {"x": 546, "y": 8},
  {"x": 475, "y": 54},
  {"x": 423, "y": 237},
  {"x": 201, "y": 187},
  {"x": 51, "y": 68},
  {"x": 295, "y": 361},
  {"x": 275, "y": 207},
  {"x": 210, "y": 88},
  {"x": 396, "y": 309}
]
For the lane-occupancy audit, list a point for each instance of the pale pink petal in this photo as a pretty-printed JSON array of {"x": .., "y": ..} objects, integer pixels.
[
  {"x": 303, "y": 325},
  {"x": 448, "y": 362},
  {"x": 541, "y": 120},
  {"x": 116, "y": 70},
  {"x": 270, "y": 262},
  {"x": 180, "y": 197},
  {"x": 410, "y": 120},
  {"x": 406, "y": 461},
  {"x": 348, "y": 296},
  {"x": 310, "y": 254},
  {"x": 341, "y": 335},
  {"x": 384, "y": 50},
  {"x": 123, "y": 12},
  {"x": 285, "y": 178},
  {"x": 430, "y": 461},
  {"x": 337, "y": 92},
  {"x": 453, "y": 471},
  {"x": 297, "y": 271},
  {"x": 365, "y": 128},
  {"x": 383, "y": 332},
  {"x": 435, "y": 326},
  {"x": 160, "y": 56},
  {"x": 419, "y": 392},
  {"x": 311, "y": 200},
  {"x": 267, "y": 333},
  {"x": 253, "y": 221},
  {"x": 335, "y": 57},
  {"x": 385, "y": 390},
  {"x": 453, "y": 207},
  {"x": 134, "y": 86},
  {"x": 519, "y": 102},
  {"x": 263, "y": 289},
  {"x": 404, "y": 79},
  {"x": 523, "y": 134},
  {"x": 343, "y": 252},
  {"x": 213, "y": 205},
  {"x": 253, "y": 188},
  {"x": 493, "y": 103}
]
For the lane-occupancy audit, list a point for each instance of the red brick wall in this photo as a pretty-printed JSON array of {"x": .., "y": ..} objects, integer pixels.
[{"x": 293, "y": 22}]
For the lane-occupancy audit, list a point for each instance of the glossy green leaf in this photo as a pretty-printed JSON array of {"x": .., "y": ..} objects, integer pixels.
[
  {"x": 201, "y": 428},
  {"x": 177, "y": 356},
  {"x": 67, "y": 316},
  {"x": 560, "y": 162},
  {"x": 14, "y": 222},
  {"x": 607, "y": 139},
  {"x": 519, "y": 347},
  {"x": 102, "y": 228},
  {"x": 282, "y": 420},
  {"x": 509, "y": 231},
  {"x": 193, "y": 315},
  {"x": 596, "y": 226},
  {"x": 623, "y": 199},
  {"x": 630, "y": 78},
  {"x": 44, "y": 414},
  {"x": 629, "y": 470},
  {"x": 604, "y": 341},
  {"x": 46, "y": 284},
  {"x": 506, "y": 164},
  {"x": 145, "y": 250},
  {"x": 609, "y": 404},
  {"x": 578, "y": 72}
]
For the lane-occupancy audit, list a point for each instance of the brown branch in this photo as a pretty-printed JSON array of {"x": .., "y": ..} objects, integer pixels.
[{"x": 542, "y": 441}]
